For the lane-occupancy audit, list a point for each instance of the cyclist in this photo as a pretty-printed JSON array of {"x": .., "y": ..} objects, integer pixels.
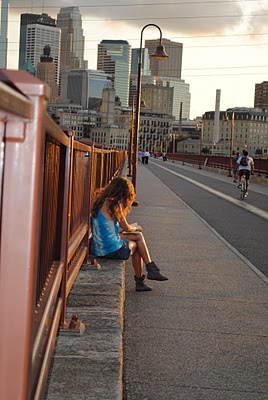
[{"x": 245, "y": 164}]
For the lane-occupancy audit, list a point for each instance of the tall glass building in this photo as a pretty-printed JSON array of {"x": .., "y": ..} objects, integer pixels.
[
  {"x": 72, "y": 38},
  {"x": 114, "y": 58},
  {"x": 36, "y": 32},
  {"x": 84, "y": 87},
  {"x": 145, "y": 62},
  {"x": 3, "y": 34}
]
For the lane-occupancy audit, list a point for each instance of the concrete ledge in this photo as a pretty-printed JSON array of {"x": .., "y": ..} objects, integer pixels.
[{"x": 90, "y": 366}]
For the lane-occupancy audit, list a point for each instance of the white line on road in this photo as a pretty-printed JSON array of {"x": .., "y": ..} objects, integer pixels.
[{"x": 239, "y": 203}]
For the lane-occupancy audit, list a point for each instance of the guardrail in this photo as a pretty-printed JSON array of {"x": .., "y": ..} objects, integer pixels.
[
  {"x": 48, "y": 181},
  {"x": 219, "y": 162}
]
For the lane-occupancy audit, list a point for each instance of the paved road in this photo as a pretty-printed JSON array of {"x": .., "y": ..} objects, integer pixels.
[
  {"x": 243, "y": 224},
  {"x": 202, "y": 335}
]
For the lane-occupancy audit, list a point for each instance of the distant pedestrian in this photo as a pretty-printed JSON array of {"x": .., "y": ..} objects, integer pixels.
[
  {"x": 114, "y": 238},
  {"x": 139, "y": 156},
  {"x": 143, "y": 157},
  {"x": 234, "y": 163},
  {"x": 146, "y": 156}
]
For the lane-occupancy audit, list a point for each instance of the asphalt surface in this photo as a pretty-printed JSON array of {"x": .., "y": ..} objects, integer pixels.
[
  {"x": 203, "y": 334},
  {"x": 231, "y": 218}
]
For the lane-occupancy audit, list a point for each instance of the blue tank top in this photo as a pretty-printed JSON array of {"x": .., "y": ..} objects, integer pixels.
[{"x": 105, "y": 235}]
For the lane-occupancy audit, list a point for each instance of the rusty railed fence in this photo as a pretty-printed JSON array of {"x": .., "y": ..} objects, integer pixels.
[
  {"x": 219, "y": 162},
  {"x": 48, "y": 181}
]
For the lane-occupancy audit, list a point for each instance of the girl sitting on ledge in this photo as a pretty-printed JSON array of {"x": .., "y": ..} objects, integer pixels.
[{"x": 114, "y": 238}]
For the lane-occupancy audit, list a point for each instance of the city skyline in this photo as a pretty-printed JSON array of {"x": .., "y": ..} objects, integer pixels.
[{"x": 224, "y": 43}]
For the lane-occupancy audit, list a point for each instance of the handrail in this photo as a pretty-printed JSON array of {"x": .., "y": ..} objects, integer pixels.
[
  {"x": 48, "y": 183},
  {"x": 14, "y": 102},
  {"x": 54, "y": 130}
]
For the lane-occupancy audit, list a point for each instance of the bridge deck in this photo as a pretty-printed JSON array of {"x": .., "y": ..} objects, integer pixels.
[{"x": 200, "y": 335}]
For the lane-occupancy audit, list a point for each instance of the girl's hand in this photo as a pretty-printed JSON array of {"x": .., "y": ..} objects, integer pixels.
[{"x": 132, "y": 229}]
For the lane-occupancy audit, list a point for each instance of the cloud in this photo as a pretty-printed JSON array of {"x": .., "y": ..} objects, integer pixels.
[{"x": 188, "y": 17}]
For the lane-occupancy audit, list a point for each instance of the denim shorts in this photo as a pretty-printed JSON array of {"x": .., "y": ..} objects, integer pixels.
[{"x": 121, "y": 254}]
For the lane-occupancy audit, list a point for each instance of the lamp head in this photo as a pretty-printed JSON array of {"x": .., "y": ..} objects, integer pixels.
[
  {"x": 143, "y": 104},
  {"x": 160, "y": 53},
  {"x": 226, "y": 117}
]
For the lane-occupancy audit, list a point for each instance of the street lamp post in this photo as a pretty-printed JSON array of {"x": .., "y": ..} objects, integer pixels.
[
  {"x": 231, "y": 141},
  {"x": 201, "y": 142},
  {"x": 183, "y": 149},
  {"x": 159, "y": 54},
  {"x": 130, "y": 142},
  {"x": 173, "y": 142}
]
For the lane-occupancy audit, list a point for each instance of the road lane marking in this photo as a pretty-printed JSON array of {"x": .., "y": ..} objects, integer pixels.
[{"x": 255, "y": 210}]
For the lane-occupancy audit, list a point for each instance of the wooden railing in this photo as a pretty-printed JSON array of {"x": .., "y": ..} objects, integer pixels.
[{"x": 48, "y": 181}]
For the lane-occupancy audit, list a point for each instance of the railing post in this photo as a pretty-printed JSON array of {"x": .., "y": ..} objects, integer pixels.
[
  {"x": 93, "y": 175},
  {"x": 20, "y": 233},
  {"x": 87, "y": 202},
  {"x": 68, "y": 164}
]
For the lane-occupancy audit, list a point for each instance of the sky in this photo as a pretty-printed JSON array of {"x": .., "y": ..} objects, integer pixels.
[{"x": 224, "y": 42}]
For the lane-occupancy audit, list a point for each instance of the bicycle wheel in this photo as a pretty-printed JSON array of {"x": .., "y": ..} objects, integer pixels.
[{"x": 243, "y": 189}]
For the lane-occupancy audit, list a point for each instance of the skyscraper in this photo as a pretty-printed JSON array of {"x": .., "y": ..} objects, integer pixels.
[
  {"x": 3, "y": 34},
  {"x": 83, "y": 86},
  {"x": 114, "y": 58},
  {"x": 181, "y": 96},
  {"x": 72, "y": 38},
  {"x": 171, "y": 66},
  {"x": 261, "y": 95},
  {"x": 46, "y": 72},
  {"x": 36, "y": 32},
  {"x": 145, "y": 62}
]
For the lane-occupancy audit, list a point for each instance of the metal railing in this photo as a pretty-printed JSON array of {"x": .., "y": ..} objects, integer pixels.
[
  {"x": 48, "y": 181},
  {"x": 219, "y": 162}
]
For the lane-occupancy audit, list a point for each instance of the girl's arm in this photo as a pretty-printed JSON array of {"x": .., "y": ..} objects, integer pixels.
[{"x": 127, "y": 227}]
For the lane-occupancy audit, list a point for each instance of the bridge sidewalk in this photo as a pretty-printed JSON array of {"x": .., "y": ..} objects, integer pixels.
[{"x": 207, "y": 325}]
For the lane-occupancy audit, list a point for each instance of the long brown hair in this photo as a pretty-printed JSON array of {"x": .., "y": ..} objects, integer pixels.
[{"x": 119, "y": 194}]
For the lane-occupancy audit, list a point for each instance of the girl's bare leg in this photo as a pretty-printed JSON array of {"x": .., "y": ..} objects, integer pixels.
[
  {"x": 142, "y": 254},
  {"x": 142, "y": 248},
  {"x": 139, "y": 250},
  {"x": 136, "y": 261}
]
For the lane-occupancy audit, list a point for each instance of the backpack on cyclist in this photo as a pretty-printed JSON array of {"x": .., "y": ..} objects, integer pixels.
[{"x": 244, "y": 161}]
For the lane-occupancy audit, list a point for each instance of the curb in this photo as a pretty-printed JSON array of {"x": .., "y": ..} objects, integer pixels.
[{"x": 90, "y": 366}]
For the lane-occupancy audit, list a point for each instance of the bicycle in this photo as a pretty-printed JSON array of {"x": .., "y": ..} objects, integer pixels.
[{"x": 243, "y": 186}]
